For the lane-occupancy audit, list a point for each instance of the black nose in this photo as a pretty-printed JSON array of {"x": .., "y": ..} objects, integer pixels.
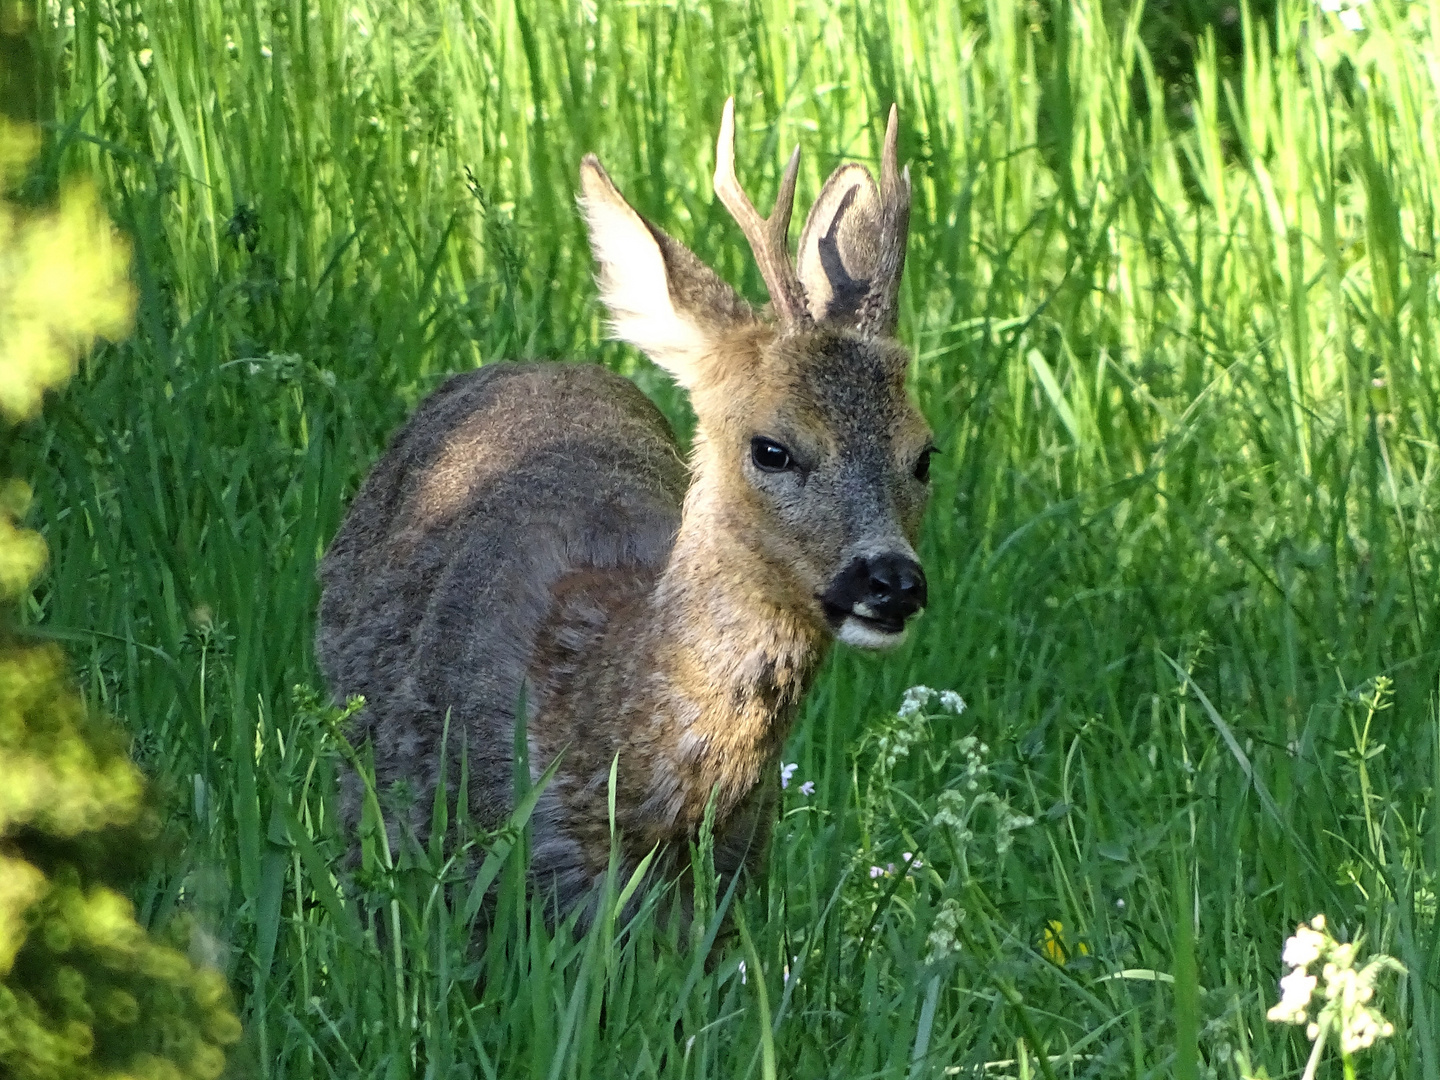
[
  {"x": 885, "y": 589},
  {"x": 896, "y": 586}
]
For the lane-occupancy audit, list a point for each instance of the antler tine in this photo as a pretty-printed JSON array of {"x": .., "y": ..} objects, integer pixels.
[
  {"x": 879, "y": 309},
  {"x": 894, "y": 190},
  {"x": 769, "y": 237},
  {"x": 889, "y": 180}
]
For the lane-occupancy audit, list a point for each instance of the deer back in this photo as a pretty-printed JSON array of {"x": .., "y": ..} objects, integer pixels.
[{"x": 504, "y": 481}]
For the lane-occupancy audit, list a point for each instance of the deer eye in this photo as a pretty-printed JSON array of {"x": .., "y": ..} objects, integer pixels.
[
  {"x": 922, "y": 467},
  {"x": 769, "y": 456}
]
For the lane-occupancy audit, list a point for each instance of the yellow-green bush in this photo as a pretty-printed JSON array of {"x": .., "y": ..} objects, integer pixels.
[{"x": 85, "y": 991}]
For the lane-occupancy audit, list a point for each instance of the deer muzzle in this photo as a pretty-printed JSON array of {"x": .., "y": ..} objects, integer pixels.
[{"x": 868, "y": 602}]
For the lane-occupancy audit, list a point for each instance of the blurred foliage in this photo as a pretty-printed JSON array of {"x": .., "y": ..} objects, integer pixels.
[
  {"x": 20, "y": 68},
  {"x": 63, "y": 282},
  {"x": 85, "y": 991}
]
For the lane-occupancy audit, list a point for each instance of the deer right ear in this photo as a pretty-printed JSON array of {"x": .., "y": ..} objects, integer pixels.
[
  {"x": 852, "y": 249},
  {"x": 839, "y": 246},
  {"x": 662, "y": 299}
]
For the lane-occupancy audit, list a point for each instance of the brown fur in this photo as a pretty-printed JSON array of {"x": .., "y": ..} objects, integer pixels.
[{"x": 526, "y": 528}]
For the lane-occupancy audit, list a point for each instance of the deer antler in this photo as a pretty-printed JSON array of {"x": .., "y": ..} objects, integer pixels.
[
  {"x": 769, "y": 237},
  {"x": 878, "y": 311}
]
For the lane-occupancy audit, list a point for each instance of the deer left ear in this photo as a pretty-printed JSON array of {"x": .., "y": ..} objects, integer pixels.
[{"x": 662, "y": 299}]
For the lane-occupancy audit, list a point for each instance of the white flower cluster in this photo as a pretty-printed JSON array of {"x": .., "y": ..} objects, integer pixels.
[
  {"x": 944, "y": 937},
  {"x": 975, "y": 768},
  {"x": 954, "y": 813},
  {"x": 957, "y": 805},
  {"x": 895, "y": 742},
  {"x": 1007, "y": 822},
  {"x": 1298, "y": 985},
  {"x": 917, "y": 697},
  {"x": 1346, "y": 1009}
]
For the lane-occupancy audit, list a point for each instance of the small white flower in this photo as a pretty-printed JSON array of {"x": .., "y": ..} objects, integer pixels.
[
  {"x": 949, "y": 699},
  {"x": 1295, "y": 991},
  {"x": 1348, "y": 990},
  {"x": 807, "y": 788},
  {"x": 786, "y": 772},
  {"x": 1350, "y": 19},
  {"x": 1303, "y": 949},
  {"x": 915, "y": 699}
]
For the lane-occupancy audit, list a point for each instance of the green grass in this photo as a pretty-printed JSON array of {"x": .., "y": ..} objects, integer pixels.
[{"x": 1183, "y": 548}]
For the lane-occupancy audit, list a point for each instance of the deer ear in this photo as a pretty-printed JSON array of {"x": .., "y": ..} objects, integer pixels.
[
  {"x": 852, "y": 251},
  {"x": 662, "y": 299},
  {"x": 840, "y": 246}
]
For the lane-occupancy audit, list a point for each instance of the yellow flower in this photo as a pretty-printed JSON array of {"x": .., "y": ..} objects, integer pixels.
[{"x": 1054, "y": 946}]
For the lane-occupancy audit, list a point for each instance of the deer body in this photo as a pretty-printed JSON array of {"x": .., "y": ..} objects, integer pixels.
[{"x": 534, "y": 526}]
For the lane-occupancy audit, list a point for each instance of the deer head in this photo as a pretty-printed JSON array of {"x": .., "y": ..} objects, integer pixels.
[{"x": 811, "y": 463}]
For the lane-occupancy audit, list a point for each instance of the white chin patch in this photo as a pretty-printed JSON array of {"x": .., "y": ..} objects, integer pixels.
[{"x": 853, "y": 632}]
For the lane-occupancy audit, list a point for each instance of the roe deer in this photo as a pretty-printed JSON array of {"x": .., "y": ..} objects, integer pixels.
[{"x": 534, "y": 526}]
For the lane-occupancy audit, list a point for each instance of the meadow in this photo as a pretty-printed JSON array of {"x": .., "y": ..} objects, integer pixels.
[{"x": 1178, "y": 341}]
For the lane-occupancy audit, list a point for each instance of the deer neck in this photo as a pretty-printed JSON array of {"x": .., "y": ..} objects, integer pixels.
[{"x": 731, "y": 659}]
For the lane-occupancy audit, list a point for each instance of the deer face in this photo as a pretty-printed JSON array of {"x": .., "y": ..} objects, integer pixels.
[
  {"x": 813, "y": 459},
  {"x": 824, "y": 464}
]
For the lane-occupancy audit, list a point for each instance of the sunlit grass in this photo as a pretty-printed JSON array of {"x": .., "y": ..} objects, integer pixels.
[{"x": 1182, "y": 552}]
